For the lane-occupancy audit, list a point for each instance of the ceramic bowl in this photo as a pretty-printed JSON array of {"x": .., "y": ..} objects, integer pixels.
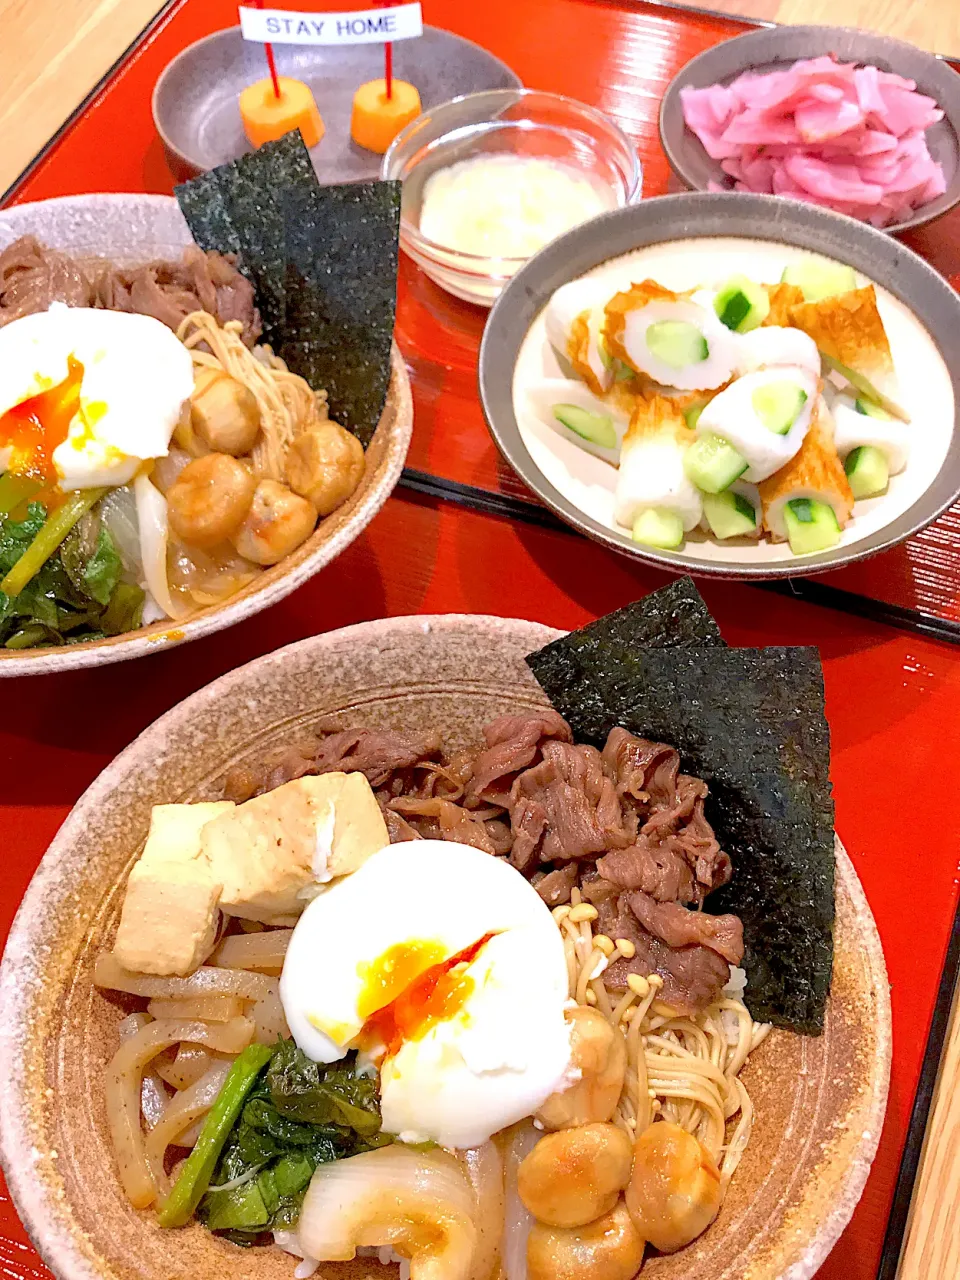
[
  {"x": 195, "y": 101},
  {"x": 819, "y": 1100},
  {"x": 137, "y": 228},
  {"x": 687, "y": 240},
  {"x": 776, "y": 47}
]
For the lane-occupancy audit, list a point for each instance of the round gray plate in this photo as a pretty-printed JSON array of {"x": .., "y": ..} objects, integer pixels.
[
  {"x": 768, "y": 50},
  {"x": 196, "y": 110},
  {"x": 883, "y": 259}
]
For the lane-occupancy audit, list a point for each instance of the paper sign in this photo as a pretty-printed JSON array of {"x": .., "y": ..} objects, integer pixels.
[{"x": 364, "y": 26}]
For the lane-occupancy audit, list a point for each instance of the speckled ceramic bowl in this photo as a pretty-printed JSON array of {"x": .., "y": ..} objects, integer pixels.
[
  {"x": 138, "y": 228},
  {"x": 196, "y": 100},
  {"x": 819, "y": 1101}
]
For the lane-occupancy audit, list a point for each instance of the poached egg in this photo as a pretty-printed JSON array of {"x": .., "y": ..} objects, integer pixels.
[
  {"x": 445, "y": 967},
  {"x": 87, "y": 396}
]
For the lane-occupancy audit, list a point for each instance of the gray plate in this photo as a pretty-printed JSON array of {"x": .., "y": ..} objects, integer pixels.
[
  {"x": 195, "y": 101},
  {"x": 883, "y": 259},
  {"x": 768, "y": 50}
]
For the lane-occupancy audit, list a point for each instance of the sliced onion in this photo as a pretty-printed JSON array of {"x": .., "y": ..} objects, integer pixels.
[
  {"x": 191, "y": 1062},
  {"x": 263, "y": 952},
  {"x": 181, "y": 1111},
  {"x": 118, "y": 514},
  {"x": 269, "y": 1017},
  {"x": 153, "y": 1096},
  {"x": 483, "y": 1169},
  {"x": 387, "y": 1197},
  {"x": 167, "y": 470},
  {"x": 205, "y": 981},
  {"x": 123, "y": 1084},
  {"x": 154, "y": 531},
  {"x": 207, "y": 1008},
  {"x": 517, "y": 1218}
]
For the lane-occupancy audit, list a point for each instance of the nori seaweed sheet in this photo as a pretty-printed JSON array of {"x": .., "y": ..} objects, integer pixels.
[
  {"x": 342, "y": 247},
  {"x": 750, "y": 722},
  {"x": 203, "y": 203},
  {"x": 323, "y": 262},
  {"x": 238, "y": 208},
  {"x": 599, "y": 661},
  {"x": 257, "y": 186}
]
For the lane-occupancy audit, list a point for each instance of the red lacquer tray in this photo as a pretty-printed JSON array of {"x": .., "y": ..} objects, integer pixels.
[
  {"x": 619, "y": 56},
  {"x": 893, "y": 699}
]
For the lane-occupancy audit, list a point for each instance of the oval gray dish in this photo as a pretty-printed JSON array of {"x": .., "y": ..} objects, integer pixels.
[
  {"x": 666, "y": 219},
  {"x": 770, "y": 50},
  {"x": 196, "y": 99}
]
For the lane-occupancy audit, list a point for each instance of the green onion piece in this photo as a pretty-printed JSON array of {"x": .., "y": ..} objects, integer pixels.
[
  {"x": 14, "y": 490},
  {"x": 56, "y": 528},
  {"x": 194, "y": 1177}
]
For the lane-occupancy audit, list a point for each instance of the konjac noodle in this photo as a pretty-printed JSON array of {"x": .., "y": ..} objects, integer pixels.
[{"x": 644, "y": 982}]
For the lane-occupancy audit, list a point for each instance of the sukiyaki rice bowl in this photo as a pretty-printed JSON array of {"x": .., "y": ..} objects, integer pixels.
[
  {"x": 160, "y": 465},
  {"x": 415, "y": 1039}
]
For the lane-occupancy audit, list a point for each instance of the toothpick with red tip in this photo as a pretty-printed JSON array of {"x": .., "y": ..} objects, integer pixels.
[
  {"x": 381, "y": 108},
  {"x": 269, "y": 109},
  {"x": 271, "y": 60}
]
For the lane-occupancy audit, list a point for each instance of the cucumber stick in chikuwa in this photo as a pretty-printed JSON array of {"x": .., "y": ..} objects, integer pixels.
[
  {"x": 730, "y": 515},
  {"x": 794, "y": 498},
  {"x": 751, "y": 723},
  {"x": 867, "y": 470}
]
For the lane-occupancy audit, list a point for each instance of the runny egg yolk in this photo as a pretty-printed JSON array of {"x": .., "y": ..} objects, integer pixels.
[
  {"x": 402, "y": 999},
  {"x": 35, "y": 427}
]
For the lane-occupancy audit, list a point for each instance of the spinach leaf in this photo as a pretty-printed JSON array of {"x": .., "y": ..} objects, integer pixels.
[
  {"x": 77, "y": 594},
  {"x": 335, "y": 1094},
  {"x": 294, "y": 1118},
  {"x": 94, "y": 571}
]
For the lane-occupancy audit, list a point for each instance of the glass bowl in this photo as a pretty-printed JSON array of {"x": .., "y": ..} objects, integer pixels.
[{"x": 502, "y": 122}]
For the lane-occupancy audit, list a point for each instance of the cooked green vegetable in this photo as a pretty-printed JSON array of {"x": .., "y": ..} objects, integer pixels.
[
  {"x": 48, "y": 538},
  {"x": 296, "y": 1115},
  {"x": 75, "y": 596},
  {"x": 194, "y": 1177},
  {"x": 315, "y": 1094}
]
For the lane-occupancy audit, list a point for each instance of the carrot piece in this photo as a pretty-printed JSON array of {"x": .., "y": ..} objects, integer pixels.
[
  {"x": 266, "y": 117},
  {"x": 377, "y": 119}
]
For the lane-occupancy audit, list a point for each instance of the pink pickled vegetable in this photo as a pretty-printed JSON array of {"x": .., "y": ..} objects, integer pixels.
[{"x": 845, "y": 137}]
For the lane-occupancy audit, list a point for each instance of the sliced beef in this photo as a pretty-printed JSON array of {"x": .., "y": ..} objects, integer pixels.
[
  {"x": 378, "y": 753},
  {"x": 276, "y": 767},
  {"x": 511, "y": 744},
  {"x": 170, "y": 291},
  {"x": 451, "y": 821},
  {"x": 680, "y": 927},
  {"x": 398, "y": 828},
  {"x": 693, "y": 976},
  {"x": 564, "y": 808},
  {"x": 653, "y": 868},
  {"x": 644, "y": 771},
  {"x": 595, "y": 889},
  {"x": 32, "y": 276},
  {"x": 555, "y": 887}
]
